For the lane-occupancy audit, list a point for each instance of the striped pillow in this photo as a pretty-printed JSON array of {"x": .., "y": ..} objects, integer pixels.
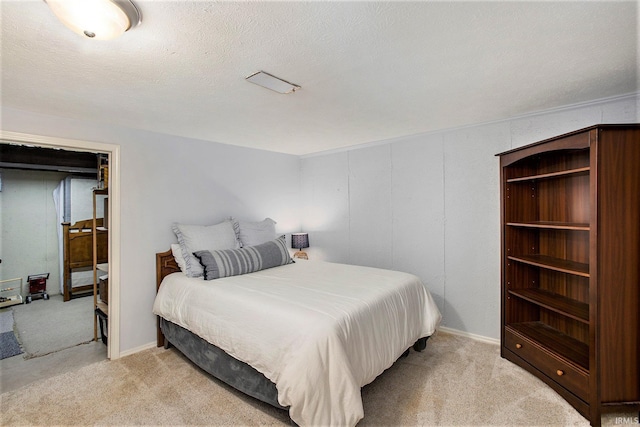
[{"x": 233, "y": 262}]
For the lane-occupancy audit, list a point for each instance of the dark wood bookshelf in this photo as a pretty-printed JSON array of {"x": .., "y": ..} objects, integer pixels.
[
  {"x": 560, "y": 304},
  {"x": 583, "y": 170},
  {"x": 552, "y": 225},
  {"x": 552, "y": 263},
  {"x": 570, "y": 245},
  {"x": 561, "y": 345}
]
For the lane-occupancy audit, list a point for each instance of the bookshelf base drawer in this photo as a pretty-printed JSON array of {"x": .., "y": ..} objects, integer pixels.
[{"x": 561, "y": 371}]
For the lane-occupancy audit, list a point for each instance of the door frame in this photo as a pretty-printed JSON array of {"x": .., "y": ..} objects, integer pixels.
[{"x": 113, "y": 151}]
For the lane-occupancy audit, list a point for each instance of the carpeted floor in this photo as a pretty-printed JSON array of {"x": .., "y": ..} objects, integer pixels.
[
  {"x": 456, "y": 381},
  {"x": 47, "y": 326},
  {"x": 9, "y": 345}
]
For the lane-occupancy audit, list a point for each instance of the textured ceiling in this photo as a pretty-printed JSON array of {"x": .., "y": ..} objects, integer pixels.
[{"x": 369, "y": 71}]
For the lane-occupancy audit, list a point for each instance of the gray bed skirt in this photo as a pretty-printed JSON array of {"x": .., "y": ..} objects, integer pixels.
[{"x": 216, "y": 362}]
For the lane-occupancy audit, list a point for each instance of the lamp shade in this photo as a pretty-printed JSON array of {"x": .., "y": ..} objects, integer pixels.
[
  {"x": 96, "y": 19},
  {"x": 299, "y": 240}
]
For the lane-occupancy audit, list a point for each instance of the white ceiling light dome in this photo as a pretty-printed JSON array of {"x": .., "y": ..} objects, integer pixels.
[{"x": 96, "y": 19}]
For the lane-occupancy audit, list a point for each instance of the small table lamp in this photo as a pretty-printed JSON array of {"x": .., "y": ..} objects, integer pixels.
[{"x": 300, "y": 241}]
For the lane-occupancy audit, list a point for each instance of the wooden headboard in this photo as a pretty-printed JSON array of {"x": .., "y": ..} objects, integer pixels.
[
  {"x": 165, "y": 265},
  {"x": 78, "y": 252},
  {"x": 78, "y": 243}
]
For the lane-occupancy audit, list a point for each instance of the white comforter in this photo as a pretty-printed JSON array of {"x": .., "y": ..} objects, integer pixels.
[{"x": 320, "y": 331}]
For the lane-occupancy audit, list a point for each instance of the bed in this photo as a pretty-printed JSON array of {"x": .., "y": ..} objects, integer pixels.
[
  {"x": 305, "y": 336},
  {"x": 78, "y": 256}
]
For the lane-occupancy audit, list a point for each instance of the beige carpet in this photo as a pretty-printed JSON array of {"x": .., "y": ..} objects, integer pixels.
[{"x": 456, "y": 381}]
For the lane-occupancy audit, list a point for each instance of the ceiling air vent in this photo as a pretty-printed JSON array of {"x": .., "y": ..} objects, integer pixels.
[{"x": 272, "y": 82}]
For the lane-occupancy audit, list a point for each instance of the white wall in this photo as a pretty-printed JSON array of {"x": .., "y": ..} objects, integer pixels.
[
  {"x": 426, "y": 204},
  {"x": 81, "y": 200},
  {"x": 429, "y": 204},
  {"x": 165, "y": 179},
  {"x": 29, "y": 227}
]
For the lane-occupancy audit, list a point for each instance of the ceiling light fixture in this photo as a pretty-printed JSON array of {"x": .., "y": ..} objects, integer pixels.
[
  {"x": 96, "y": 19},
  {"x": 272, "y": 82}
]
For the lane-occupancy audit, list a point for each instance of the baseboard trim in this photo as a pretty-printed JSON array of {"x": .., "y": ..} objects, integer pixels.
[
  {"x": 138, "y": 349},
  {"x": 481, "y": 338}
]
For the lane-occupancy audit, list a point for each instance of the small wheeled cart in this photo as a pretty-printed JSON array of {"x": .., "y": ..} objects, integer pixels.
[{"x": 37, "y": 287}]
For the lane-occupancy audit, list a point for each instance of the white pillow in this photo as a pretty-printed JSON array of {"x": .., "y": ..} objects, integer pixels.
[
  {"x": 193, "y": 238},
  {"x": 176, "y": 250},
  {"x": 256, "y": 233}
]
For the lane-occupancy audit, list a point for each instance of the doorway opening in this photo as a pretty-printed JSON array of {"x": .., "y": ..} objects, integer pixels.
[{"x": 112, "y": 153}]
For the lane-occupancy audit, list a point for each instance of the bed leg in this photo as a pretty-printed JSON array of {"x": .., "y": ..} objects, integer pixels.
[
  {"x": 405, "y": 354},
  {"x": 421, "y": 344},
  {"x": 167, "y": 344}
]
